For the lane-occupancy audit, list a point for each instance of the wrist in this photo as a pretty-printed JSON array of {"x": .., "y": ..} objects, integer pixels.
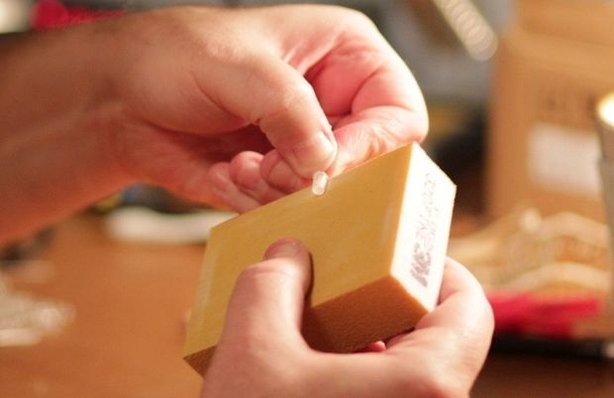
[
  {"x": 54, "y": 157},
  {"x": 93, "y": 113},
  {"x": 100, "y": 113}
]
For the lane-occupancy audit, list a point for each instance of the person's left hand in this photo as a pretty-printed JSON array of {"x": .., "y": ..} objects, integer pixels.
[{"x": 262, "y": 353}]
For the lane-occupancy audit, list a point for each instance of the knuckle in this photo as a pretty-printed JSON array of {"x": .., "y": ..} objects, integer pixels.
[
  {"x": 353, "y": 18},
  {"x": 265, "y": 270},
  {"x": 288, "y": 99},
  {"x": 293, "y": 95},
  {"x": 433, "y": 381},
  {"x": 280, "y": 89},
  {"x": 441, "y": 387}
]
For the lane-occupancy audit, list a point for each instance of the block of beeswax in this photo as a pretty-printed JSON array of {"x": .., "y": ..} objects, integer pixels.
[{"x": 377, "y": 236}]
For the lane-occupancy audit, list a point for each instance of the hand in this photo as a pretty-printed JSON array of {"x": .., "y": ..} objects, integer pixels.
[
  {"x": 262, "y": 353},
  {"x": 231, "y": 107},
  {"x": 236, "y": 105}
]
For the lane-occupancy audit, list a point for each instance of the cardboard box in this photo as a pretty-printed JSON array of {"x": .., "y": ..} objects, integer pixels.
[
  {"x": 377, "y": 238},
  {"x": 553, "y": 64},
  {"x": 588, "y": 21}
]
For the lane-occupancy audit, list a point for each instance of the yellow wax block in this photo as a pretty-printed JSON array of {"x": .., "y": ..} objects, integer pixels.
[{"x": 378, "y": 238}]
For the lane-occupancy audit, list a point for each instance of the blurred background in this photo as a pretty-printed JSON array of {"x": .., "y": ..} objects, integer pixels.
[{"x": 517, "y": 92}]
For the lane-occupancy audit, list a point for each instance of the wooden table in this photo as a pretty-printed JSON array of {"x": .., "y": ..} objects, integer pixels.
[
  {"x": 126, "y": 338},
  {"x": 533, "y": 376}
]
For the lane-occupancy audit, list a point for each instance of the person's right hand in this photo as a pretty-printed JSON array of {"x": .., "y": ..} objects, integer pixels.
[
  {"x": 242, "y": 106},
  {"x": 224, "y": 106},
  {"x": 262, "y": 353}
]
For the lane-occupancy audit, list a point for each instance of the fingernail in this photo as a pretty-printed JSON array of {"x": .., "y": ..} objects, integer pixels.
[
  {"x": 315, "y": 154},
  {"x": 283, "y": 248}
]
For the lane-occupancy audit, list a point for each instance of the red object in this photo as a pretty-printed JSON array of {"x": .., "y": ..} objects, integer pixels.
[
  {"x": 539, "y": 316},
  {"x": 49, "y": 14}
]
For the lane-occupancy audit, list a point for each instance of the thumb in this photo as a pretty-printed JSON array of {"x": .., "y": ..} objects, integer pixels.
[
  {"x": 268, "y": 299},
  {"x": 281, "y": 102}
]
